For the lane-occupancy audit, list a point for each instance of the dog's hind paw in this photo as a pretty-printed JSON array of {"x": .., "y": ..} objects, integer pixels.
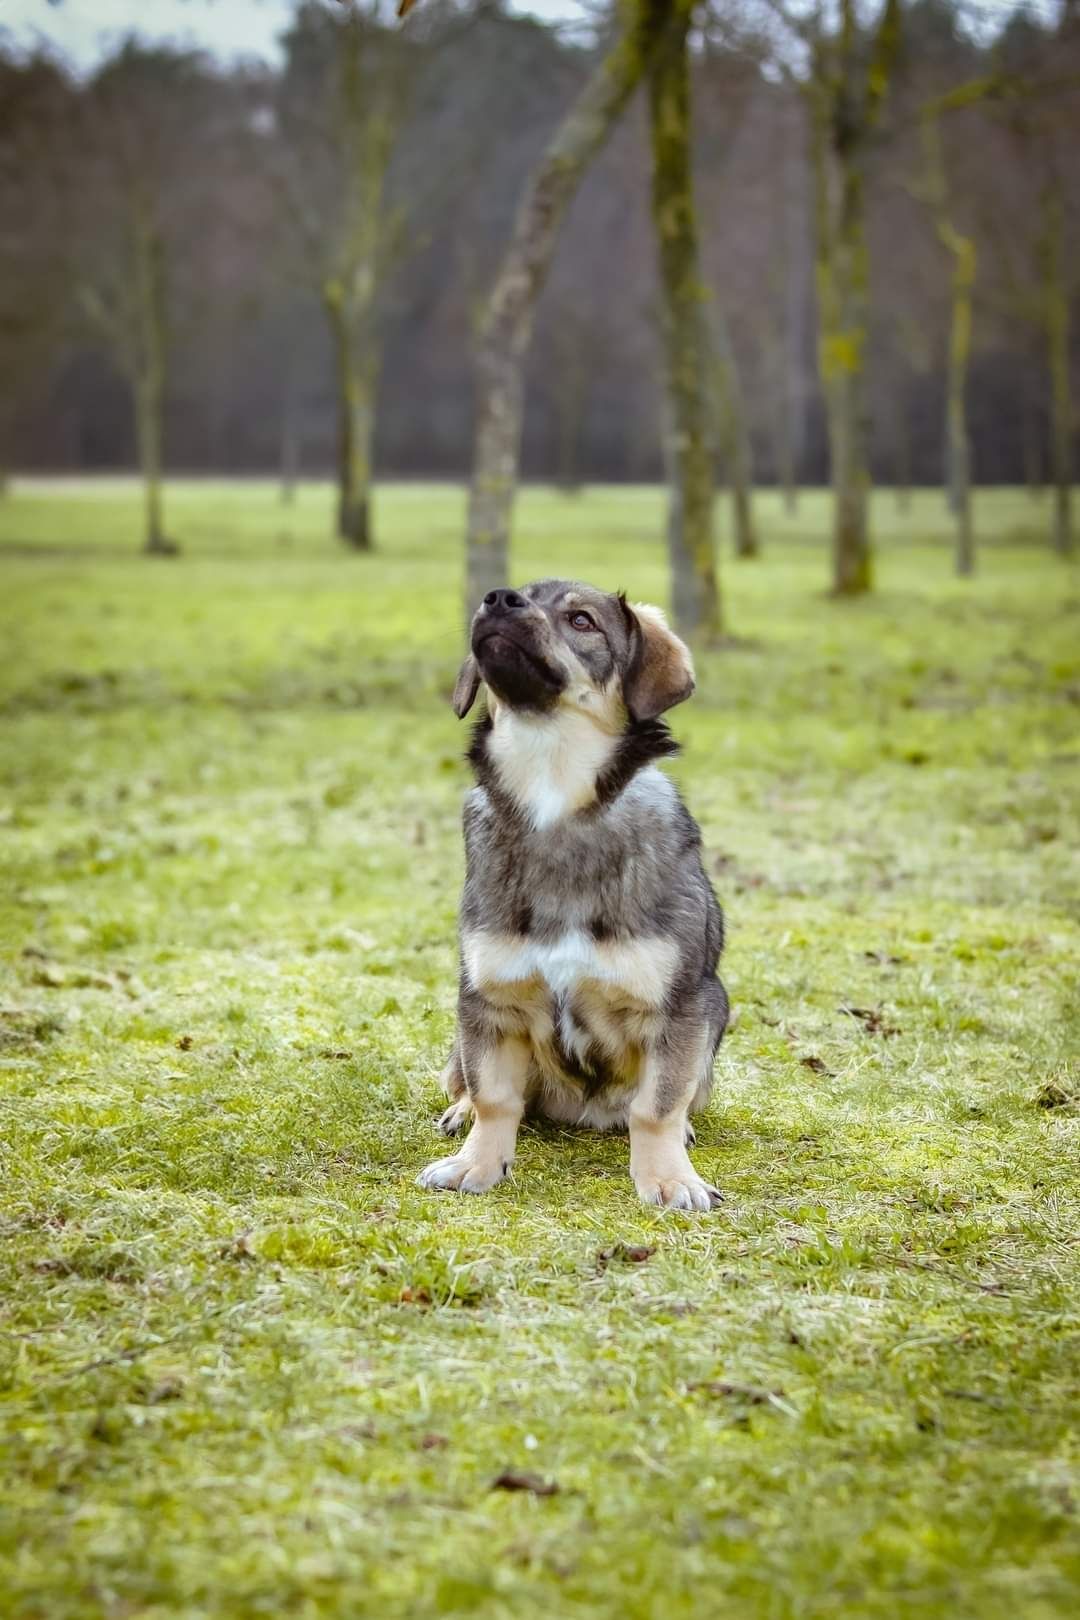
[
  {"x": 687, "y": 1192},
  {"x": 461, "y": 1173},
  {"x": 456, "y": 1117}
]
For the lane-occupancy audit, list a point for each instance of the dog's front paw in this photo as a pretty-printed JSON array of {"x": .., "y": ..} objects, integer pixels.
[
  {"x": 685, "y": 1191},
  {"x": 462, "y": 1173},
  {"x": 456, "y": 1117}
]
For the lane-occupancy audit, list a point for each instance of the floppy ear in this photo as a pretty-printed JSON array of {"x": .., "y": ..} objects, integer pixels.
[
  {"x": 661, "y": 671},
  {"x": 466, "y": 687}
]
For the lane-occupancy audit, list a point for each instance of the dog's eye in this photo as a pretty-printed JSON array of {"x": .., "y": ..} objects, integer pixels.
[{"x": 581, "y": 621}]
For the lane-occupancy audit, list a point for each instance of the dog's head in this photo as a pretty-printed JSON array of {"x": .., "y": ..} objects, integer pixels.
[{"x": 557, "y": 643}]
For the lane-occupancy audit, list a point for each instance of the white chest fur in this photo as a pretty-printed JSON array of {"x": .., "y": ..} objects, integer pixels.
[
  {"x": 639, "y": 970},
  {"x": 549, "y": 763}
]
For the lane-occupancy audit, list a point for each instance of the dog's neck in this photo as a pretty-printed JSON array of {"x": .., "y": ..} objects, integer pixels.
[{"x": 547, "y": 767}]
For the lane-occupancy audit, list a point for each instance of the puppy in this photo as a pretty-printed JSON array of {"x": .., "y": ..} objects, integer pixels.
[{"x": 589, "y": 931}]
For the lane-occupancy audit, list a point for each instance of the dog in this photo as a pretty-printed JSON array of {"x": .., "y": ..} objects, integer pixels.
[{"x": 589, "y": 932}]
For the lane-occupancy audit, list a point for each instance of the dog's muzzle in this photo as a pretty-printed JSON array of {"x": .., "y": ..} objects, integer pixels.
[{"x": 507, "y": 641}]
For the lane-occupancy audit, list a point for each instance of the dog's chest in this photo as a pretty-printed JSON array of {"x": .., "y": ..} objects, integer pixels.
[
  {"x": 630, "y": 971},
  {"x": 585, "y": 1005}
]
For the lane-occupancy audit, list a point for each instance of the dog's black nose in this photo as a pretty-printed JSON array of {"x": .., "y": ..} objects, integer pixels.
[{"x": 504, "y": 601}]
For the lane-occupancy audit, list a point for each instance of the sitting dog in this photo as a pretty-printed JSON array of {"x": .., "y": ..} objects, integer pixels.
[{"x": 590, "y": 933}]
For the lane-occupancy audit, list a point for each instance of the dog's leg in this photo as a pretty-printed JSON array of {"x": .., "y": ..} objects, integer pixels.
[
  {"x": 452, "y": 1080},
  {"x": 717, "y": 1013},
  {"x": 659, "y": 1163},
  {"x": 497, "y": 1072},
  {"x": 453, "y": 1120}
]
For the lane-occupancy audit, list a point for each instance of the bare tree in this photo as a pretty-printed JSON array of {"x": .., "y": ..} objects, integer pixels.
[
  {"x": 845, "y": 85},
  {"x": 35, "y": 114},
  {"x": 136, "y": 201},
  {"x": 916, "y": 361},
  {"x": 1038, "y": 282},
  {"x": 343, "y": 103},
  {"x": 733, "y": 435},
  {"x": 727, "y": 88},
  {"x": 497, "y": 83},
  {"x": 508, "y": 321},
  {"x": 963, "y": 252},
  {"x": 1056, "y": 299}
]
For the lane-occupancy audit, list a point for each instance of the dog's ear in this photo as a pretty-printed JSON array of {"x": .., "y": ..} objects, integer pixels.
[
  {"x": 466, "y": 687},
  {"x": 660, "y": 672}
]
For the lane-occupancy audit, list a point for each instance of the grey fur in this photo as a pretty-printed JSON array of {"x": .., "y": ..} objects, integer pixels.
[{"x": 620, "y": 871}]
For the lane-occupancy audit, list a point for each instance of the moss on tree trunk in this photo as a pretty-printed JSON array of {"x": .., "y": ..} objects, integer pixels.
[
  {"x": 841, "y": 278},
  {"x": 847, "y": 86},
  {"x": 352, "y": 324}
]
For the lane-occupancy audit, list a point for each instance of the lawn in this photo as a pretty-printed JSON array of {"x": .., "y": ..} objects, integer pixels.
[{"x": 248, "y": 1368}]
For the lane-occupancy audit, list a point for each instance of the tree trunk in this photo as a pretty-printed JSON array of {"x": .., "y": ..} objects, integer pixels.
[
  {"x": 572, "y": 384},
  {"x": 356, "y": 369},
  {"x": 733, "y": 437},
  {"x": 902, "y": 451},
  {"x": 1032, "y": 448},
  {"x": 959, "y": 443},
  {"x": 149, "y": 380},
  {"x": 848, "y": 86},
  {"x": 689, "y": 452},
  {"x": 288, "y": 447},
  {"x": 784, "y": 449},
  {"x": 508, "y": 324},
  {"x": 841, "y": 275},
  {"x": 148, "y": 439},
  {"x": 961, "y": 249},
  {"x": 1057, "y": 337}
]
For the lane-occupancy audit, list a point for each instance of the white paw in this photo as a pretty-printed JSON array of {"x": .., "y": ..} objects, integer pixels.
[
  {"x": 456, "y": 1117},
  {"x": 459, "y": 1173},
  {"x": 687, "y": 1191}
]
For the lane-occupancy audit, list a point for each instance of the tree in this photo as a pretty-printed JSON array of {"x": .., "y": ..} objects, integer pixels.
[
  {"x": 138, "y": 203},
  {"x": 845, "y": 86},
  {"x": 1056, "y": 299},
  {"x": 35, "y": 108},
  {"x": 726, "y": 85},
  {"x": 733, "y": 435},
  {"x": 687, "y": 345},
  {"x": 1034, "y": 238},
  {"x": 511, "y": 309},
  {"x": 963, "y": 252},
  {"x": 343, "y": 102},
  {"x": 915, "y": 355}
]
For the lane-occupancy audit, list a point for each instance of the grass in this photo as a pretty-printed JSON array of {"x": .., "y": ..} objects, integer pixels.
[{"x": 248, "y": 1368}]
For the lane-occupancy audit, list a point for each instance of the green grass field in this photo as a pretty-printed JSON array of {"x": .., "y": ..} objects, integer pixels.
[{"x": 248, "y": 1368}]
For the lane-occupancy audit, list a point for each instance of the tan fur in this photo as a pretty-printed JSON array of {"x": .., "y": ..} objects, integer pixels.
[
  {"x": 660, "y": 1166},
  {"x": 497, "y": 1105},
  {"x": 627, "y": 973},
  {"x": 666, "y": 674},
  {"x": 612, "y": 990}
]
